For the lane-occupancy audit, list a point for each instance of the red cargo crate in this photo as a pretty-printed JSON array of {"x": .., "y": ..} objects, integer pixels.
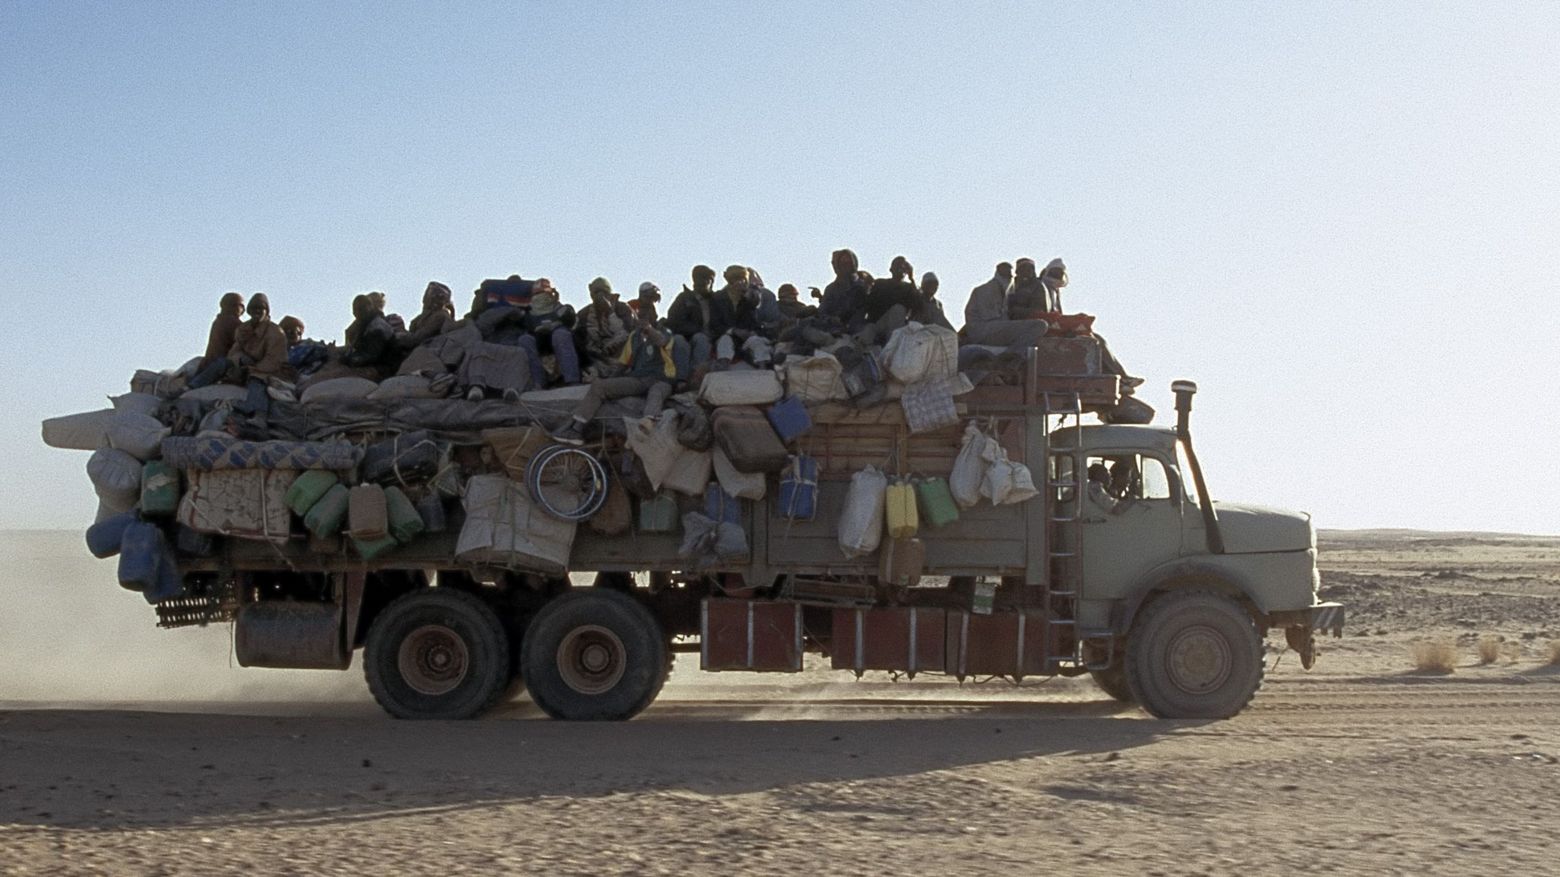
[
  {"x": 751, "y": 635},
  {"x": 903, "y": 638}
]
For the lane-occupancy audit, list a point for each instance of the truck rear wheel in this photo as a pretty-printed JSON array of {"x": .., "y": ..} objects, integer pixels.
[
  {"x": 593, "y": 655},
  {"x": 437, "y": 653},
  {"x": 1194, "y": 655},
  {"x": 1113, "y": 681}
]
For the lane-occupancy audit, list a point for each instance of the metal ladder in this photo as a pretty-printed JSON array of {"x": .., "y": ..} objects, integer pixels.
[{"x": 1064, "y": 528}]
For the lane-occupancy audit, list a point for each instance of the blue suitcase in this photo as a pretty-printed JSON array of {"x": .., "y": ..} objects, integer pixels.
[
  {"x": 798, "y": 496},
  {"x": 789, "y": 418},
  {"x": 721, "y": 506}
]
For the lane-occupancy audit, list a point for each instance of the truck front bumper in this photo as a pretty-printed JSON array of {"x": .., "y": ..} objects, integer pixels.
[{"x": 1327, "y": 618}]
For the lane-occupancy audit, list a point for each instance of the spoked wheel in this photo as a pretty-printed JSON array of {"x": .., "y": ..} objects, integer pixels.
[
  {"x": 1194, "y": 655},
  {"x": 594, "y": 654},
  {"x": 567, "y": 482},
  {"x": 437, "y": 653}
]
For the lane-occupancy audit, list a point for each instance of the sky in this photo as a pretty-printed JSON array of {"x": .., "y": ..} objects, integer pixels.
[{"x": 1340, "y": 219}]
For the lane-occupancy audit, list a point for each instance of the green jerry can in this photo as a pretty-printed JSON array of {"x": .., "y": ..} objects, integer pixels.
[
  {"x": 405, "y": 523},
  {"x": 326, "y": 517},
  {"x": 308, "y": 489},
  {"x": 658, "y": 515},
  {"x": 159, "y": 489},
  {"x": 936, "y": 502}
]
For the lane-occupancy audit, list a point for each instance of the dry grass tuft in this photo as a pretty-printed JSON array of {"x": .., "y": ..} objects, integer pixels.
[
  {"x": 1489, "y": 649},
  {"x": 1435, "y": 656},
  {"x": 1554, "y": 653}
]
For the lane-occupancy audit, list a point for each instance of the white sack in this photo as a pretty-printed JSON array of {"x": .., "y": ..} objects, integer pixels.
[
  {"x": 742, "y": 485},
  {"x": 338, "y": 388},
  {"x": 139, "y": 435},
  {"x": 505, "y": 529},
  {"x": 654, "y": 442},
  {"x": 86, "y": 431},
  {"x": 690, "y": 472},
  {"x": 814, "y": 378},
  {"x": 741, "y": 387},
  {"x": 216, "y": 393},
  {"x": 918, "y": 352},
  {"x": 969, "y": 468},
  {"x": 403, "y": 387},
  {"x": 136, "y": 403},
  {"x": 116, "y": 477},
  {"x": 861, "y": 519},
  {"x": 1005, "y": 481}
]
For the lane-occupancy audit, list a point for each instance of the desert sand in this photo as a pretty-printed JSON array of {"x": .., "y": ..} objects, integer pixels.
[{"x": 125, "y": 749}]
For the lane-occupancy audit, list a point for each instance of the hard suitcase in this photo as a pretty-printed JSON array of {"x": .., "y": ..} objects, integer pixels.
[
  {"x": 750, "y": 443},
  {"x": 789, "y": 417}
]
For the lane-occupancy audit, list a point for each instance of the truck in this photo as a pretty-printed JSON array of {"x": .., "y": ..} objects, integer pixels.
[{"x": 1162, "y": 595}]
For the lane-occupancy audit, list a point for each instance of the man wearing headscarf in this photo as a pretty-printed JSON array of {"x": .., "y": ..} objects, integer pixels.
[
  {"x": 647, "y": 370},
  {"x": 214, "y": 363},
  {"x": 891, "y": 302},
  {"x": 845, "y": 299},
  {"x": 553, "y": 323},
  {"x": 930, "y": 312},
  {"x": 370, "y": 338},
  {"x": 986, "y": 315},
  {"x": 607, "y": 322},
  {"x": 734, "y": 314},
  {"x": 260, "y": 349},
  {"x": 1051, "y": 281},
  {"x": 437, "y": 317}
]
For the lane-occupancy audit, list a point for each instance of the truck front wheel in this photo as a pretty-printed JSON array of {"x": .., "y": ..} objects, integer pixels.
[
  {"x": 437, "y": 653},
  {"x": 1113, "y": 681},
  {"x": 1194, "y": 655},
  {"x": 594, "y": 654}
]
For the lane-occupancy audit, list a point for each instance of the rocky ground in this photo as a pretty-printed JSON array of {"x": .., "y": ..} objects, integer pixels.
[{"x": 1365, "y": 763}]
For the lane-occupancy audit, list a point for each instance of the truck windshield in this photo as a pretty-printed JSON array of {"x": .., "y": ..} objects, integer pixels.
[{"x": 1187, "y": 482}]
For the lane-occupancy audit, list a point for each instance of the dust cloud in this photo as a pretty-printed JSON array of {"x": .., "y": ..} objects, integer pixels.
[{"x": 70, "y": 634}]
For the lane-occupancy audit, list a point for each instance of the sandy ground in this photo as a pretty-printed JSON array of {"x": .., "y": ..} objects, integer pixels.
[{"x": 129, "y": 750}]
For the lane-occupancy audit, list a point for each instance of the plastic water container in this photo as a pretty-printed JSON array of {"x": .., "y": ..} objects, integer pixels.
[
  {"x": 789, "y": 417},
  {"x": 327, "y": 515},
  {"x": 798, "y": 496},
  {"x": 309, "y": 488},
  {"x": 159, "y": 489},
  {"x": 936, "y": 502},
  {"x": 658, "y": 514},
  {"x": 899, "y": 510},
  {"x": 103, "y": 538},
  {"x": 405, "y": 523}
]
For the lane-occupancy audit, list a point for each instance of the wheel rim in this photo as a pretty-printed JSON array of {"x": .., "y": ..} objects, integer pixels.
[
  {"x": 433, "y": 660},
  {"x": 1200, "y": 660},
  {"x": 591, "y": 659}
]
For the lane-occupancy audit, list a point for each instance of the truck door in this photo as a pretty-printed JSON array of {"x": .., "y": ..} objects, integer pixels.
[{"x": 1131, "y": 520}]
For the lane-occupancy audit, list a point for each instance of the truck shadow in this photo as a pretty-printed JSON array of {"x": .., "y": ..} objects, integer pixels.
[{"x": 122, "y": 769}]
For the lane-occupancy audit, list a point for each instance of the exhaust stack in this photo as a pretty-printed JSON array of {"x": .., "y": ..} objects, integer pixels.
[{"x": 1184, "y": 391}]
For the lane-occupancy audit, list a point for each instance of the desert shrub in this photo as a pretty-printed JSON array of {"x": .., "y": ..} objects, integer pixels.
[
  {"x": 1434, "y": 656},
  {"x": 1489, "y": 649}
]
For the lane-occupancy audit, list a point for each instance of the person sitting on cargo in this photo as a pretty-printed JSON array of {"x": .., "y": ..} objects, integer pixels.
[
  {"x": 260, "y": 351},
  {"x": 930, "y": 313},
  {"x": 845, "y": 299},
  {"x": 549, "y": 328},
  {"x": 607, "y": 322},
  {"x": 304, "y": 357},
  {"x": 986, "y": 321},
  {"x": 734, "y": 320},
  {"x": 648, "y": 370},
  {"x": 792, "y": 309},
  {"x": 689, "y": 319},
  {"x": 214, "y": 363},
  {"x": 890, "y": 302},
  {"x": 1051, "y": 281},
  {"x": 371, "y": 339},
  {"x": 395, "y": 320},
  {"x": 437, "y": 317}
]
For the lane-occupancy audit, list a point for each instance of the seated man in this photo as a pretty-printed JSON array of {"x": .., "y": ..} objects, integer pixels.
[
  {"x": 549, "y": 327},
  {"x": 648, "y": 370},
  {"x": 986, "y": 319},
  {"x": 1050, "y": 283},
  {"x": 734, "y": 320},
  {"x": 844, "y": 300},
  {"x": 607, "y": 322},
  {"x": 1099, "y": 489},
  {"x": 260, "y": 350},
  {"x": 930, "y": 312},
  {"x": 890, "y": 302},
  {"x": 792, "y": 309},
  {"x": 437, "y": 317},
  {"x": 371, "y": 339},
  {"x": 214, "y": 363},
  {"x": 304, "y": 357},
  {"x": 689, "y": 321}
]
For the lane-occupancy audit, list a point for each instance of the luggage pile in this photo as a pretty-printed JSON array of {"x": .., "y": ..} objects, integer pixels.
[{"x": 362, "y": 470}]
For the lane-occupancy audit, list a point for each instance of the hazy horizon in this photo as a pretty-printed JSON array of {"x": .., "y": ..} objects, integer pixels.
[{"x": 1337, "y": 218}]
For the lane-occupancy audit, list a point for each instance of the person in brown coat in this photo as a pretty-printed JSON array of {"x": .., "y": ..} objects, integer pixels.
[
  {"x": 214, "y": 364},
  {"x": 259, "y": 346}
]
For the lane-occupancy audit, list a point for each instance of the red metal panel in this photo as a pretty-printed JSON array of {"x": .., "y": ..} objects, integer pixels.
[
  {"x": 902, "y": 638},
  {"x": 751, "y": 635},
  {"x": 1000, "y": 644}
]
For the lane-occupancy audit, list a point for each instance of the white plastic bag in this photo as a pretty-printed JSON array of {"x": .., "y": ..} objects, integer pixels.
[
  {"x": 1005, "y": 481},
  {"x": 814, "y": 378},
  {"x": 138, "y": 435},
  {"x": 654, "y": 442},
  {"x": 861, "y": 519},
  {"x": 690, "y": 472},
  {"x": 742, "y": 485},
  {"x": 969, "y": 468}
]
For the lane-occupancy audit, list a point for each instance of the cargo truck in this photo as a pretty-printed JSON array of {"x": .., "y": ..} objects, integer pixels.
[{"x": 1163, "y": 595}]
